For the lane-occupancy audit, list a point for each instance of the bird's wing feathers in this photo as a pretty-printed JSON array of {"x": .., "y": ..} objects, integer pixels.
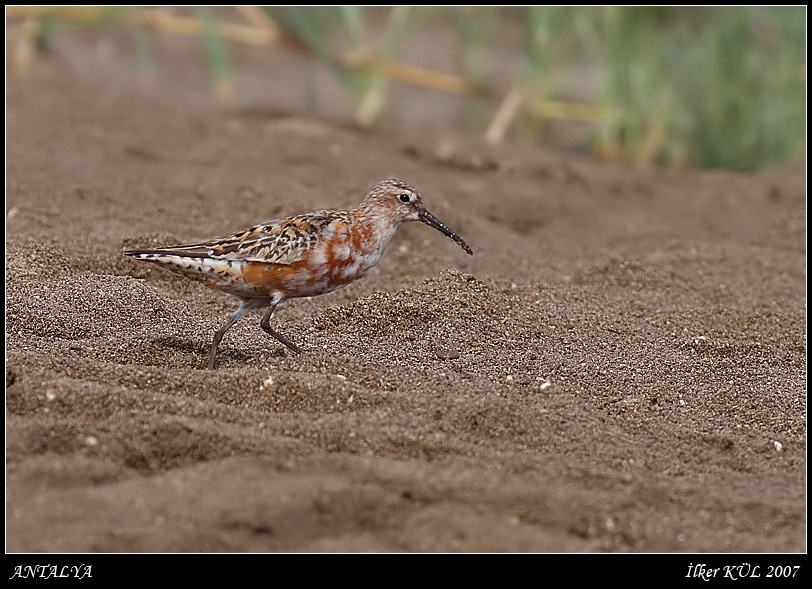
[{"x": 282, "y": 241}]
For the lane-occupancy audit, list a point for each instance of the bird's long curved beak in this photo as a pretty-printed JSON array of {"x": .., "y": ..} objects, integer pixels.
[{"x": 432, "y": 221}]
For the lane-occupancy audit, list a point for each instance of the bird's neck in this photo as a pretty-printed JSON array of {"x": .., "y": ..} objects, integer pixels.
[{"x": 376, "y": 231}]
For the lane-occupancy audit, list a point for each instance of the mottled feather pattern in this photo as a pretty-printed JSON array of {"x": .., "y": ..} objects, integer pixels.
[
  {"x": 281, "y": 241},
  {"x": 299, "y": 256}
]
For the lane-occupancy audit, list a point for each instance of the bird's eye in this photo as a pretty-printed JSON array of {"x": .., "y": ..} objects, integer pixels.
[{"x": 405, "y": 198}]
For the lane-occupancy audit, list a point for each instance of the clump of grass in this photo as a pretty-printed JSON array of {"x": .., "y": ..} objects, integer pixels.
[
  {"x": 706, "y": 86},
  {"x": 751, "y": 80},
  {"x": 719, "y": 87}
]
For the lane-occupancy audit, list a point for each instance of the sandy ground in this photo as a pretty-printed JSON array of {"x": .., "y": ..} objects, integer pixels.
[{"x": 620, "y": 367}]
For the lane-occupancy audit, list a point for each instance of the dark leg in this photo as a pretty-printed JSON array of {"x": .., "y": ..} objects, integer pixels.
[
  {"x": 247, "y": 306},
  {"x": 218, "y": 337},
  {"x": 266, "y": 325}
]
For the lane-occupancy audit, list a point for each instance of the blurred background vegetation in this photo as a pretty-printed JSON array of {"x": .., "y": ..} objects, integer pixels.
[{"x": 703, "y": 86}]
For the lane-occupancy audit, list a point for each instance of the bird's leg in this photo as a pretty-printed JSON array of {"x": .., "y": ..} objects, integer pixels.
[
  {"x": 266, "y": 325},
  {"x": 246, "y": 306}
]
